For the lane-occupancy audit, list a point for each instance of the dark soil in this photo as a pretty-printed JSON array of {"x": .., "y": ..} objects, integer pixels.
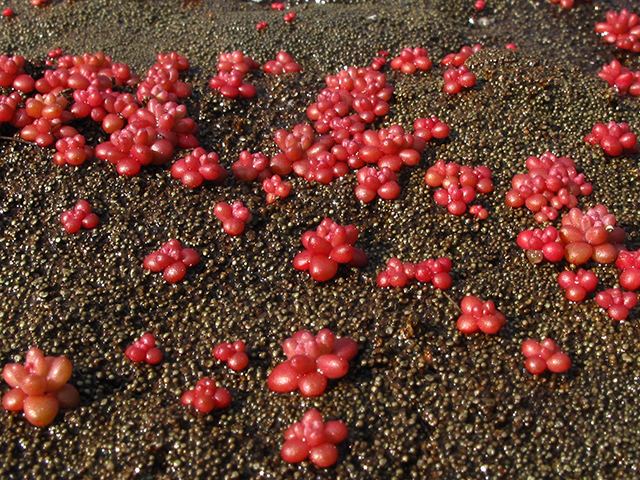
[{"x": 421, "y": 400}]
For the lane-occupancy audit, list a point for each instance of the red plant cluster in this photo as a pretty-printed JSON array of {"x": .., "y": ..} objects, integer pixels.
[
  {"x": 163, "y": 80},
  {"x": 78, "y": 217},
  {"x": 389, "y": 147},
  {"x": 398, "y": 274},
  {"x": 330, "y": 245},
  {"x": 617, "y": 303},
  {"x": 139, "y": 135},
  {"x": 284, "y": 63},
  {"x": 455, "y": 79},
  {"x": 144, "y": 350},
  {"x": 324, "y": 158},
  {"x": 577, "y": 285},
  {"x": 232, "y": 353},
  {"x": 233, "y": 217},
  {"x": 172, "y": 259},
  {"x": 313, "y": 439},
  {"x": 197, "y": 167},
  {"x": 152, "y": 132},
  {"x": 227, "y": 62},
  {"x": 362, "y": 89},
  {"x": 411, "y": 60},
  {"x": 614, "y": 138},
  {"x": 12, "y": 74},
  {"x": 428, "y": 128},
  {"x": 550, "y": 184},
  {"x": 206, "y": 396},
  {"x": 310, "y": 157},
  {"x": 479, "y": 315},
  {"x": 582, "y": 236},
  {"x": 621, "y": 78},
  {"x": 629, "y": 262},
  {"x": 251, "y": 166},
  {"x": 459, "y": 184},
  {"x": 541, "y": 244},
  {"x": 9, "y": 105},
  {"x": 289, "y": 17},
  {"x": 261, "y": 25},
  {"x": 379, "y": 62},
  {"x": 457, "y": 59},
  {"x": 110, "y": 107},
  {"x": 372, "y": 182},
  {"x": 566, "y": 3},
  {"x": 276, "y": 188},
  {"x": 231, "y": 70},
  {"x": 45, "y": 114},
  {"x": 72, "y": 150},
  {"x": 311, "y": 361},
  {"x": 591, "y": 235},
  {"x": 344, "y": 143},
  {"x": 39, "y": 387},
  {"x": 546, "y": 355},
  {"x": 622, "y": 28}
]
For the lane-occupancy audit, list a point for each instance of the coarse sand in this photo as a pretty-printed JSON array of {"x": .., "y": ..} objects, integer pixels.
[{"x": 421, "y": 400}]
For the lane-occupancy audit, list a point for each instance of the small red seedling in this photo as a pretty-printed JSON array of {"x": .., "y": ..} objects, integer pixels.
[
  {"x": 378, "y": 63},
  {"x": 79, "y": 217},
  {"x": 551, "y": 183},
  {"x": 276, "y": 188},
  {"x": 372, "y": 182},
  {"x": 206, "y": 396},
  {"x": 251, "y": 166},
  {"x": 541, "y": 244},
  {"x": 233, "y": 217},
  {"x": 427, "y": 128},
  {"x": 144, "y": 350},
  {"x": 616, "y": 303},
  {"x": 311, "y": 361},
  {"x": 398, "y": 274},
  {"x": 284, "y": 63},
  {"x": 457, "y": 59},
  {"x": 547, "y": 355},
  {"x": 330, "y": 245},
  {"x": 455, "y": 79},
  {"x": 621, "y": 78},
  {"x": 622, "y": 28},
  {"x": 477, "y": 315},
  {"x": 629, "y": 262},
  {"x": 566, "y": 4},
  {"x": 411, "y": 60},
  {"x": 591, "y": 235},
  {"x": 172, "y": 260},
  {"x": 313, "y": 439},
  {"x": 231, "y": 69},
  {"x": 233, "y": 354},
  {"x": 577, "y": 285},
  {"x": 459, "y": 185},
  {"x": 39, "y": 387},
  {"x": 72, "y": 151},
  {"x": 197, "y": 167},
  {"x": 614, "y": 138}
]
